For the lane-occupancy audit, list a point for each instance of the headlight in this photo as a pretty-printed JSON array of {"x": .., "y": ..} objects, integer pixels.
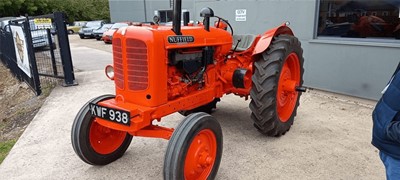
[
  {"x": 110, "y": 72},
  {"x": 80, "y": 31}
]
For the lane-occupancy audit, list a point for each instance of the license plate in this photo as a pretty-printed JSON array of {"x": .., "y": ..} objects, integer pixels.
[
  {"x": 88, "y": 34},
  {"x": 110, "y": 114}
]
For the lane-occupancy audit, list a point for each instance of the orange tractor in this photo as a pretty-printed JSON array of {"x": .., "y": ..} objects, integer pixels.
[{"x": 159, "y": 70}]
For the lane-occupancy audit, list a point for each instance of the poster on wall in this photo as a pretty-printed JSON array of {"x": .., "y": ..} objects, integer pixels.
[
  {"x": 21, "y": 49},
  {"x": 240, "y": 14}
]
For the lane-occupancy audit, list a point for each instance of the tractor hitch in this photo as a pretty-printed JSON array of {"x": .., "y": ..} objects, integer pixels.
[{"x": 301, "y": 89}]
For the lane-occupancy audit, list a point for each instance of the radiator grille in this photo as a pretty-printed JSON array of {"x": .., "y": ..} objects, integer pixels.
[
  {"x": 118, "y": 66},
  {"x": 136, "y": 56}
]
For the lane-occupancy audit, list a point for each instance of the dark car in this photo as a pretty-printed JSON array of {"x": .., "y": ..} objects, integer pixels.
[
  {"x": 98, "y": 33},
  {"x": 87, "y": 30},
  {"x": 108, "y": 35}
]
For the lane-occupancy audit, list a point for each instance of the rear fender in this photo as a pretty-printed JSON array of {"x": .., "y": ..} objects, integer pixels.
[{"x": 266, "y": 38}]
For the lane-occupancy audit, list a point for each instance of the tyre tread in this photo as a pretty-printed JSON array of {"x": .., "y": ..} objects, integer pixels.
[
  {"x": 265, "y": 80},
  {"x": 79, "y": 146},
  {"x": 179, "y": 139}
]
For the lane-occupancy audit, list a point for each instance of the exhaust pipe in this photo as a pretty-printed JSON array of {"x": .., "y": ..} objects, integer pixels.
[
  {"x": 177, "y": 12},
  {"x": 186, "y": 18}
]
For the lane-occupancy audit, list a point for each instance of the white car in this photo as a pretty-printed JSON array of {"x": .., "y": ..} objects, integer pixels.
[{"x": 39, "y": 36}]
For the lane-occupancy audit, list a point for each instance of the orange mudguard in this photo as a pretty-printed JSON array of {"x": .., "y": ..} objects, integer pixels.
[{"x": 266, "y": 38}]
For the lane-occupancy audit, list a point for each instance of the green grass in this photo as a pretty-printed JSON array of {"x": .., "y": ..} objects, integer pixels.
[
  {"x": 47, "y": 88},
  {"x": 5, "y": 147}
]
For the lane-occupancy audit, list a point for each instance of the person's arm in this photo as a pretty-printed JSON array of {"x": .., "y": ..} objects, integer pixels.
[{"x": 393, "y": 131}]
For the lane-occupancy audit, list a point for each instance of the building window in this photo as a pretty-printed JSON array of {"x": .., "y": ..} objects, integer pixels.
[
  {"x": 359, "y": 19},
  {"x": 165, "y": 15}
]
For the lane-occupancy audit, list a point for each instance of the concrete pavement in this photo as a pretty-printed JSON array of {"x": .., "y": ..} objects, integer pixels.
[
  {"x": 84, "y": 59},
  {"x": 330, "y": 138}
]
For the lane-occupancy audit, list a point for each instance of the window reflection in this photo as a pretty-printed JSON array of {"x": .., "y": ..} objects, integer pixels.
[{"x": 359, "y": 18}]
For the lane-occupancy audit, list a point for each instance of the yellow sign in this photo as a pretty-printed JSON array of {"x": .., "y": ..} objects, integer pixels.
[{"x": 43, "y": 23}]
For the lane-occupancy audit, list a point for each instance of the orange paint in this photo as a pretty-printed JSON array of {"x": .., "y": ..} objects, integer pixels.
[
  {"x": 149, "y": 87},
  {"x": 266, "y": 38},
  {"x": 105, "y": 140},
  {"x": 286, "y": 96},
  {"x": 201, "y": 155}
]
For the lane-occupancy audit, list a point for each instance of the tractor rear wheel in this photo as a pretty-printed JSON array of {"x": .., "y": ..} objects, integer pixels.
[
  {"x": 276, "y": 75},
  {"x": 208, "y": 108},
  {"x": 195, "y": 149},
  {"x": 96, "y": 144}
]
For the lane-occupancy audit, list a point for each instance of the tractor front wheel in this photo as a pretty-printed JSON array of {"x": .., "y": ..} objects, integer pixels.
[
  {"x": 277, "y": 74},
  {"x": 195, "y": 149},
  {"x": 96, "y": 144}
]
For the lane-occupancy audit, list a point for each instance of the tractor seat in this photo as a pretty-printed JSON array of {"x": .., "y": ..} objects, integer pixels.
[{"x": 245, "y": 43}]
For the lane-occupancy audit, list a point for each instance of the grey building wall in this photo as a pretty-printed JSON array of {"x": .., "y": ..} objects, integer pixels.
[
  {"x": 152, "y": 5},
  {"x": 357, "y": 67},
  {"x": 141, "y": 10},
  {"x": 127, "y": 10}
]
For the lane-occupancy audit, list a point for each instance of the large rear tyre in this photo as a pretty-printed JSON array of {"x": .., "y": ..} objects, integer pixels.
[
  {"x": 208, "y": 108},
  {"x": 276, "y": 75},
  {"x": 195, "y": 149},
  {"x": 96, "y": 144}
]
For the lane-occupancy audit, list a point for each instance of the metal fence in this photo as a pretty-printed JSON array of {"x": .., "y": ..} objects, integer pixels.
[{"x": 45, "y": 41}]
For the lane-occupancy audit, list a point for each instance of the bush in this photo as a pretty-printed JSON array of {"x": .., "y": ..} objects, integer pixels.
[{"x": 75, "y": 9}]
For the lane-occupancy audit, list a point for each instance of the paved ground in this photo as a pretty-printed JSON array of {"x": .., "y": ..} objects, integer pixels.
[
  {"x": 330, "y": 138},
  {"x": 90, "y": 54}
]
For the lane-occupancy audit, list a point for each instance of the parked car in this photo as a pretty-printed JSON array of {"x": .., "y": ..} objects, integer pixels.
[
  {"x": 4, "y": 21},
  {"x": 76, "y": 26},
  {"x": 87, "y": 30},
  {"x": 98, "y": 33},
  {"x": 40, "y": 39},
  {"x": 107, "y": 36},
  {"x": 39, "y": 36}
]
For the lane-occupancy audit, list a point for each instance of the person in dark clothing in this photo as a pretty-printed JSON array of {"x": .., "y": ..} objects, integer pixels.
[{"x": 386, "y": 127}]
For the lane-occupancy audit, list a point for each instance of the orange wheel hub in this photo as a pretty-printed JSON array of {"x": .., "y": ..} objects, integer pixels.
[
  {"x": 201, "y": 155},
  {"x": 103, "y": 139},
  {"x": 287, "y": 95}
]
